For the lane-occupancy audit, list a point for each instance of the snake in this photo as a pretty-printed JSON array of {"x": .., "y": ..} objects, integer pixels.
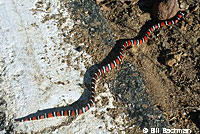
[{"x": 100, "y": 71}]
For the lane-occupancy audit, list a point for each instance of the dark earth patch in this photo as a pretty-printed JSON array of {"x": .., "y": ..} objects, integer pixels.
[{"x": 168, "y": 62}]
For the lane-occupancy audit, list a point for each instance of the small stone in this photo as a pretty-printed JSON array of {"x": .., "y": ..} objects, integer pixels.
[
  {"x": 79, "y": 49},
  {"x": 177, "y": 57},
  {"x": 144, "y": 17},
  {"x": 183, "y": 6},
  {"x": 171, "y": 62},
  {"x": 185, "y": 54},
  {"x": 183, "y": 28},
  {"x": 99, "y": 1},
  {"x": 196, "y": 27},
  {"x": 196, "y": 8},
  {"x": 190, "y": 23},
  {"x": 165, "y": 9}
]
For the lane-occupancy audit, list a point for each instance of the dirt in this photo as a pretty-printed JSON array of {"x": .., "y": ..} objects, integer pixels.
[
  {"x": 169, "y": 60},
  {"x": 168, "y": 63}
]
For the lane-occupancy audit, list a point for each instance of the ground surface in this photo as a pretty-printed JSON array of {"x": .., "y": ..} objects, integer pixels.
[
  {"x": 169, "y": 61},
  {"x": 156, "y": 86}
]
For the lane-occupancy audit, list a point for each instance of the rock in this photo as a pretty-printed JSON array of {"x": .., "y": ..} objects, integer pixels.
[
  {"x": 165, "y": 9},
  {"x": 171, "y": 62}
]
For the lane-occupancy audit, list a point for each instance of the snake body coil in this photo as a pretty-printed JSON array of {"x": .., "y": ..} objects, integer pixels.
[{"x": 102, "y": 70}]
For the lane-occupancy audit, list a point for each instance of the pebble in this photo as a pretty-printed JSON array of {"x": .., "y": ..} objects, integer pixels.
[
  {"x": 174, "y": 60},
  {"x": 144, "y": 17},
  {"x": 190, "y": 23},
  {"x": 183, "y": 28},
  {"x": 196, "y": 8},
  {"x": 171, "y": 62},
  {"x": 183, "y": 5},
  {"x": 177, "y": 57},
  {"x": 163, "y": 10},
  {"x": 79, "y": 48},
  {"x": 196, "y": 27}
]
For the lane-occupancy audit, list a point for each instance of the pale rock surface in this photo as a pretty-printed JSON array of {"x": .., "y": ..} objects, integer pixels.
[{"x": 31, "y": 54}]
